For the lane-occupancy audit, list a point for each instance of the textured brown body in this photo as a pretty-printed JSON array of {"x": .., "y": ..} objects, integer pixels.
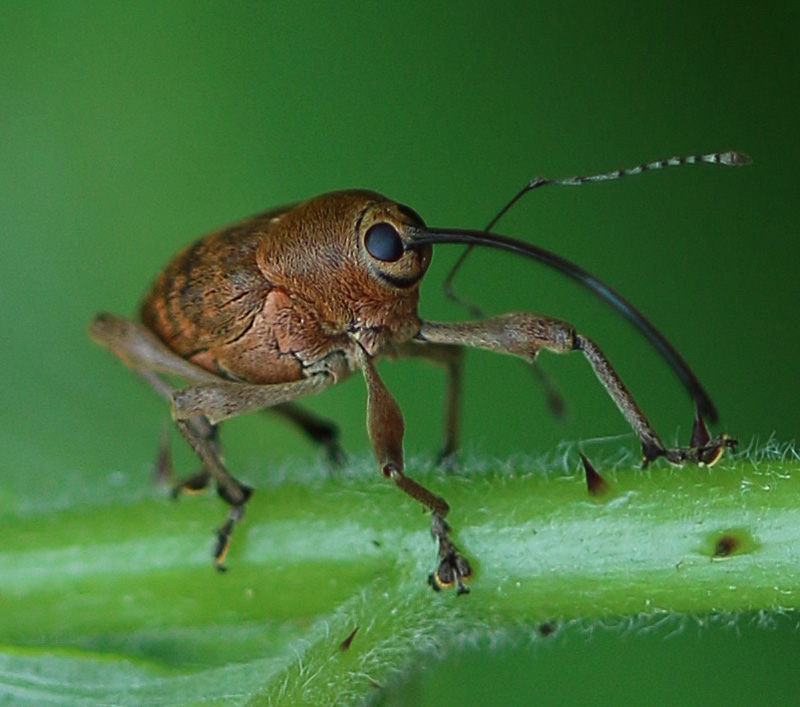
[
  {"x": 266, "y": 300},
  {"x": 290, "y": 302}
]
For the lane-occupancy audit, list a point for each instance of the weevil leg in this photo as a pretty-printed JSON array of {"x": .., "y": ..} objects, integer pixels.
[
  {"x": 385, "y": 428},
  {"x": 209, "y": 395},
  {"x": 217, "y": 401},
  {"x": 142, "y": 351},
  {"x": 233, "y": 492},
  {"x": 191, "y": 484},
  {"x": 165, "y": 472},
  {"x": 554, "y": 400},
  {"x": 524, "y": 334},
  {"x": 221, "y": 400},
  {"x": 210, "y": 403},
  {"x": 198, "y": 408},
  {"x": 322, "y": 431},
  {"x": 451, "y": 359}
]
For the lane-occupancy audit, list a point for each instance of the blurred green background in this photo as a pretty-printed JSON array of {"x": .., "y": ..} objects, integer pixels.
[{"x": 128, "y": 129}]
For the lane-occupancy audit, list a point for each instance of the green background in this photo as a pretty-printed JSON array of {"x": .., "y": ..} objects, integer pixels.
[{"x": 128, "y": 129}]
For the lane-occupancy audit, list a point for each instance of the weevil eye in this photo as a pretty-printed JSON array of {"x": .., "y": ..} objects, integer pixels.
[{"x": 383, "y": 243}]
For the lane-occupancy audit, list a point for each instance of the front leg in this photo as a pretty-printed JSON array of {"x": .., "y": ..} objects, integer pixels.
[
  {"x": 524, "y": 335},
  {"x": 385, "y": 428},
  {"x": 451, "y": 358}
]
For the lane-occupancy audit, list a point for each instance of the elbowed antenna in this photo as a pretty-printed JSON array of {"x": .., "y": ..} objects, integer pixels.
[{"x": 422, "y": 236}]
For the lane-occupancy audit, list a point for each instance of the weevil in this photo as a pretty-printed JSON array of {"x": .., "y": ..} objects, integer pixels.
[{"x": 298, "y": 298}]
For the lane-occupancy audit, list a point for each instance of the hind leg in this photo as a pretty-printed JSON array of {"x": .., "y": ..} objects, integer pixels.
[{"x": 198, "y": 408}]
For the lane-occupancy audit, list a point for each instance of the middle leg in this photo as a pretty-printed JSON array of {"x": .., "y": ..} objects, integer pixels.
[
  {"x": 324, "y": 432},
  {"x": 451, "y": 358}
]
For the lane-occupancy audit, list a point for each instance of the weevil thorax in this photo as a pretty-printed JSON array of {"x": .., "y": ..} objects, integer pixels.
[{"x": 342, "y": 258}]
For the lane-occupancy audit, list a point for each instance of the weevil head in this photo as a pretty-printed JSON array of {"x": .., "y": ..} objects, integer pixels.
[{"x": 348, "y": 256}]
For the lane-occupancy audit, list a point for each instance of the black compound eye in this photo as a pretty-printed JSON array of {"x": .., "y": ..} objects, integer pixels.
[{"x": 383, "y": 243}]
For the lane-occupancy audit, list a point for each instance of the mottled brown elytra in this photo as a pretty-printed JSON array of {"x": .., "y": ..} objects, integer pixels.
[{"x": 293, "y": 300}]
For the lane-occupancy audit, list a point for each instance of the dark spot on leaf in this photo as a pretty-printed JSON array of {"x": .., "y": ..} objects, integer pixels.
[
  {"x": 725, "y": 546},
  {"x": 546, "y": 628},
  {"x": 729, "y": 542}
]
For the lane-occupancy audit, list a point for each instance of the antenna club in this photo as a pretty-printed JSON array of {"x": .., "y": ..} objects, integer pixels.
[{"x": 734, "y": 159}]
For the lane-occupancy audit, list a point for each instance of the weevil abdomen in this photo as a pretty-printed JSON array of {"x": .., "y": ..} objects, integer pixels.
[{"x": 213, "y": 306}]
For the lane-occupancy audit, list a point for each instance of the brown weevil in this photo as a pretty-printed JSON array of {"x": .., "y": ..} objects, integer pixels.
[{"x": 295, "y": 299}]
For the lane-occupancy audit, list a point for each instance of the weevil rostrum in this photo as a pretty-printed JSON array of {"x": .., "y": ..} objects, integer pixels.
[{"x": 298, "y": 298}]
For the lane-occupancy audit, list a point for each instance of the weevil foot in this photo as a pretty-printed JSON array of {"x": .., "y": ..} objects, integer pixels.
[
  {"x": 707, "y": 454},
  {"x": 165, "y": 473},
  {"x": 235, "y": 514},
  {"x": 327, "y": 434},
  {"x": 702, "y": 449},
  {"x": 447, "y": 458},
  {"x": 335, "y": 454},
  {"x": 224, "y": 533},
  {"x": 196, "y": 483},
  {"x": 453, "y": 567}
]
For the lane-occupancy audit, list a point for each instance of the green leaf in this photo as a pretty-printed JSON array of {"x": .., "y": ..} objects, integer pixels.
[{"x": 120, "y": 604}]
